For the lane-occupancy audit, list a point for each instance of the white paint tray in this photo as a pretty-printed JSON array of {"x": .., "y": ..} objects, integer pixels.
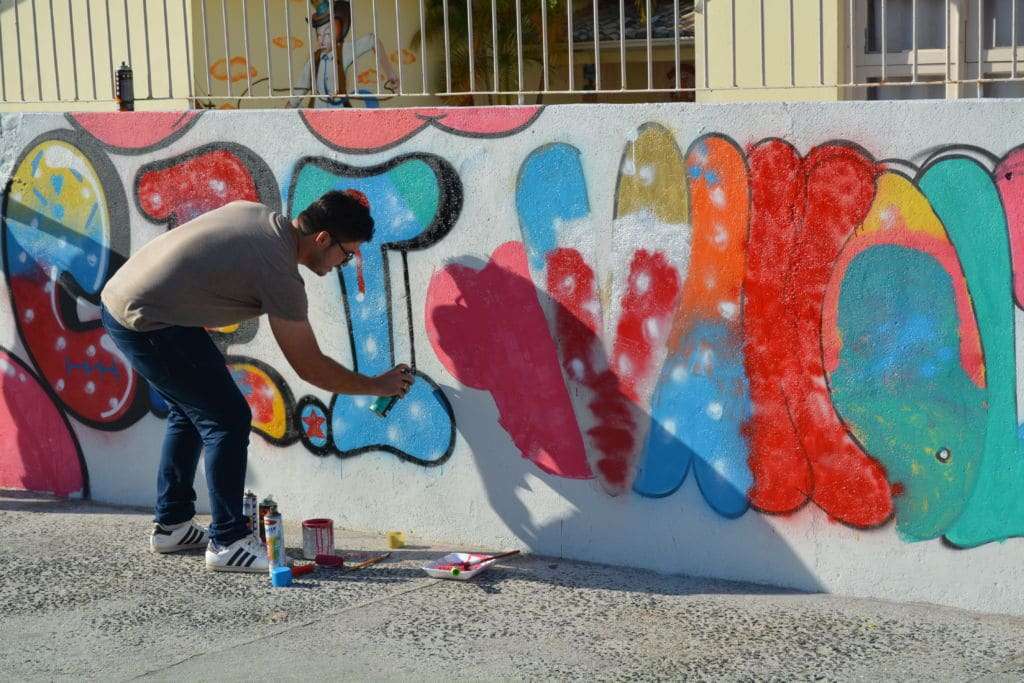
[{"x": 441, "y": 568}]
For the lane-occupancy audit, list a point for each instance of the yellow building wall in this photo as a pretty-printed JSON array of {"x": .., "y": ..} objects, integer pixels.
[
  {"x": 68, "y": 54},
  {"x": 779, "y": 80}
]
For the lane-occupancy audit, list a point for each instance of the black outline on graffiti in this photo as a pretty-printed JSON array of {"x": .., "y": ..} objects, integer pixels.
[
  {"x": 179, "y": 131},
  {"x": 120, "y": 244},
  {"x": 449, "y": 208},
  {"x": 291, "y": 432},
  {"x": 328, "y": 446},
  {"x": 435, "y": 120},
  {"x": 41, "y": 381},
  {"x": 262, "y": 176}
]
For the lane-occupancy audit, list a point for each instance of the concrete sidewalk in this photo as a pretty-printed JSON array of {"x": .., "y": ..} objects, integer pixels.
[{"x": 82, "y": 598}]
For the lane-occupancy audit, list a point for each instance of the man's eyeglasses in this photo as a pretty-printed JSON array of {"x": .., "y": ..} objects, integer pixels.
[{"x": 349, "y": 255}]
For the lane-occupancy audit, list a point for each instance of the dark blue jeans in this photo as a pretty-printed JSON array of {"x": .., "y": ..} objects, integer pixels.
[{"x": 207, "y": 412}]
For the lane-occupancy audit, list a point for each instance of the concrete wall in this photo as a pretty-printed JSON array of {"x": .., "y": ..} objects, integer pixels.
[{"x": 766, "y": 342}]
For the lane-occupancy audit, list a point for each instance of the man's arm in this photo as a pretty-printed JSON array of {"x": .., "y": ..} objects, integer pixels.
[{"x": 300, "y": 348}]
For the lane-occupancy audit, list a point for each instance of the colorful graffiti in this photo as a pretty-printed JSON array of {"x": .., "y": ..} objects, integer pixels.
[{"x": 790, "y": 327}]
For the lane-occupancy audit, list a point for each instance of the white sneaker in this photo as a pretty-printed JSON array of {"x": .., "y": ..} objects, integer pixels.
[
  {"x": 244, "y": 555},
  {"x": 174, "y": 537}
]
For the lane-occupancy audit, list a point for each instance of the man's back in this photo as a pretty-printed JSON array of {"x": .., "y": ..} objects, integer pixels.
[{"x": 228, "y": 265}]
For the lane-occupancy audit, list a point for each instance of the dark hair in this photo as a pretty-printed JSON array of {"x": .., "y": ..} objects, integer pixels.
[{"x": 344, "y": 214}]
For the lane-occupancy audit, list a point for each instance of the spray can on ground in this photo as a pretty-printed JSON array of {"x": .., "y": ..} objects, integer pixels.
[
  {"x": 267, "y": 505},
  {"x": 250, "y": 510},
  {"x": 274, "y": 525}
]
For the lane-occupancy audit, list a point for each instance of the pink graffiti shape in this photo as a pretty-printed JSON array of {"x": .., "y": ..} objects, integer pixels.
[
  {"x": 487, "y": 328},
  {"x": 37, "y": 450},
  {"x": 1010, "y": 181},
  {"x": 367, "y": 130},
  {"x": 132, "y": 131}
]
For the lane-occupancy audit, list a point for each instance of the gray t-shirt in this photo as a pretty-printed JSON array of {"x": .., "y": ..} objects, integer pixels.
[{"x": 225, "y": 266}]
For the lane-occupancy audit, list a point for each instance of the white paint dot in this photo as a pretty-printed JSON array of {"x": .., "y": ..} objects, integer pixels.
[
  {"x": 642, "y": 282},
  {"x": 718, "y": 197},
  {"x": 22, "y": 377},
  {"x": 679, "y": 373},
  {"x": 721, "y": 235},
  {"x": 393, "y": 434},
  {"x": 360, "y": 296},
  {"x": 569, "y": 283},
  {"x": 61, "y": 343},
  {"x": 670, "y": 427},
  {"x": 59, "y": 385},
  {"x": 647, "y": 174},
  {"x": 714, "y": 410},
  {"x": 576, "y": 368},
  {"x": 361, "y": 401},
  {"x": 710, "y": 282},
  {"x": 91, "y": 351},
  {"x": 30, "y": 315},
  {"x": 652, "y": 329},
  {"x": 22, "y": 257},
  {"x": 91, "y": 259},
  {"x": 112, "y": 403},
  {"x": 416, "y": 410},
  {"x": 90, "y": 388},
  {"x": 156, "y": 200},
  {"x": 593, "y": 307},
  {"x": 6, "y": 367},
  {"x": 218, "y": 186},
  {"x": 371, "y": 346},
  {"x": 728, "y": 310},
  {"x": 628, "y": 167},
  {"x": 625, "y": 365},
  {"x": 86, "y": 193}
]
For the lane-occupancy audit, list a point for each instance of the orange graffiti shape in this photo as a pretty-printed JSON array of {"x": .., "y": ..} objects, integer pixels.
[
  {"x": 282, "y": 42},
  {"x": 367, "y": 77},
  {"x": 408, "y": 56},
  {"x": 238, "y": 69}
]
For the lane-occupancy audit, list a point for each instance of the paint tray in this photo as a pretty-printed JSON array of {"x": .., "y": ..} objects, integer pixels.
[{"x": 441, "y": 568}]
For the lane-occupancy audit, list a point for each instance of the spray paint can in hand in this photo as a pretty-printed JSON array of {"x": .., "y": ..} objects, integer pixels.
[
  {"x": 267, "y": 505},
  {"x": 250, "y": 509},
  {"x": 382, "y": 405},
  {"x": 274, "y": 525}
]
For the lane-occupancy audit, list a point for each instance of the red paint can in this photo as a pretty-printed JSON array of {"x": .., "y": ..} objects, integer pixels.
[{"x": 317, "y": 538}]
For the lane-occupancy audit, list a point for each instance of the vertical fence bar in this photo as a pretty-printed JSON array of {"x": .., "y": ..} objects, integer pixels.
[
  {"x": 3, "y": 64},
  {"x": 622, "y": 44},
  {"x": 913, "y": 39},
  {"x": 187, "y": 39},
  {"x": 885, "y": 44},
  {"x": 544, "y": 40},
  {"x": 310, "y": 36},
  {"x": 423, "y": 48},
  {"x": 17, "y": 38},
  {"x": 981, "y": 33},
  {"x": 821, "y": 42},
  {"x": 206, "y": 46},
  {"x": 572, "y": 67},
  {"x": 110, "y": 50},
  {"x": 92, "y": 49},
  {"x": 494, "y": 43},
  {"x": 74, "y": 55},
  {"x": 597, "y": 47},
  {"x": 35, "y": 37},
  {"x": 1013, "y": 39},
  {"x": 53, "y": 46},
  {"x": 732, "y": 21},
  {"x": 398, "y": 48},
  {"x": 650, "y": 50},
  {"x": 948, "y": 2},
  {"x": 127, "y": 34},
  {"x": 288, "y": 46},
  {"x": 227, "y": 44},
  {"x": 675, "y": 42},
  {"x": 519, "y": 47},
  {"x": 167, "y": 47},
  {"x": 704, "y": 23},
  {"x": 149, "y": 64},
  {"x": 853, "y": 59},
  {"x": 376, "y": 52},
  {"x": 764, "y": 55},
  {"x": 469, "y": 37},
  {"x": 447, "y": 50},
  {"x": 352, "y": 34},
  {"x": 266, "y": 38},
  {"x": 245, "y": 46},
  {"x": 792, "y": 46},
  {"x": 338, "y": 68}
]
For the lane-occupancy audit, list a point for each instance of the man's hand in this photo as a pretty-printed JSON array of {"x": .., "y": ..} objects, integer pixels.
[{"x": 394, "y": 382}]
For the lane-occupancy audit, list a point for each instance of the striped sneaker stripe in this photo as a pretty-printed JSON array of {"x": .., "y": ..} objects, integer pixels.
[
  {"x": 234, "y": 557},
  {"x": 252, "y": 558},
  {"x": 188, "y": 538}
]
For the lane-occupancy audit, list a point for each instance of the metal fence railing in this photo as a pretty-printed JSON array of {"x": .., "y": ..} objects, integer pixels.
[{"x": 289, "y": 53}]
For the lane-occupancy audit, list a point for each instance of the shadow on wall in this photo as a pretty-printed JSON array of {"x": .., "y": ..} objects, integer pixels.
[{"x": 631, "y": 529}]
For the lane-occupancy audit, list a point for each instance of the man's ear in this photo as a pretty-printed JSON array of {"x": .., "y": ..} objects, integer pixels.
[{"x": 322, "y": 238}]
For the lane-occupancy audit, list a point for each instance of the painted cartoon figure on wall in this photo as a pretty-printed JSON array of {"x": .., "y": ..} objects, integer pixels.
[{"x": 332, "y": 59}]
